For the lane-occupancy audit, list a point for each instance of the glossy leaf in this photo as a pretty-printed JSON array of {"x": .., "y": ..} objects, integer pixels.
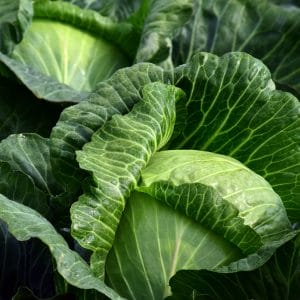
[
  {"x": 115, "y": 9},
  {"x": 76, "y": 125},
  {"x": 161, "y": 20},
  {"x": 25, "y": 223},
  {"x": 29, "y": 154},
  {"x": 234, "y": 109},
  {"x": 266, "y": 31},
  {"x": 115, "y": 158}
]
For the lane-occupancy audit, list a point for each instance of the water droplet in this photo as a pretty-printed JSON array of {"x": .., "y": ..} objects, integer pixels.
[
  {"x": 76, "y": 226},
  {"x": 271, "y": 85},
  {"x": 65, "y": 229},
  {"x": 114, "y": 182},
  {"x": 75, "y": 275},
  {"x": 93, "y": 213},
  {"x": 89, "y": 239}
]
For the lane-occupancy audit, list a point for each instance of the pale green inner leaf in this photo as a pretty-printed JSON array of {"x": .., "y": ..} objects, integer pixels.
[
  {"x": 70, "y": 55},
  {"x": 259, "y": 206},
  {"x": 153, "y": 242},
  {"x": 204, "y": 205}
]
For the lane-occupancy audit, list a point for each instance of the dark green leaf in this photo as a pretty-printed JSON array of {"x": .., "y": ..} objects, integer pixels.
[
  {"x": 17, "y": 108},
  {"x": 286, "y": 2},
  {"x": 27, "y": 177},
  {"x": 161, "y": 20},
  {"x": 30, "y": 154},
  {"x": 15, "y": 17},
  {"x": 21, "y": 188},
  {"x": 26, "y": 294},
  {"x": 24, "y": 264},
  {"x": 266, "y": 31},
  {"x": 25, "y": 223},
  {"x": 116, "y": 9},
  {"x": 234, "y": 109}
]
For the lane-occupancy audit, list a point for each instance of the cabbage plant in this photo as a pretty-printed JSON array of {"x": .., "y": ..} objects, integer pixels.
[
  {"x": 175, "y": 176},
  {"x": 60, "y": 50}
]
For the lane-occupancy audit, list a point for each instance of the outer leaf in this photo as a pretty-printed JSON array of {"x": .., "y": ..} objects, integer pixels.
[
  {"x": 20, "y": 187},
  {"x": 17, "y": 106},
  {"x": 26, "y": 294},
  {"x": 27, "y": 177},
  {"x": 76, "y": 125},
  {"x": 29, "y": 154},
  {"x": 278, "y": 279},
  {"x": 115, "y": 9},
  {"x": 162, "y": 19},
  {"x": 25, "y": 223},
  {"x": 233, "y": 109},
  {"x": 266, "y": 31},
  {"x": 120, "y": 9},
  {"x": 86, "y": 4},
  {"x": 15, "y": 17},
  {"x": 24, "y": 264},
  {"x": 153, "y": 241},
  {"x": 286, "y": 2},
  {"x": 115, "y": 157},
  {"x": 9, "y": 245}
]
